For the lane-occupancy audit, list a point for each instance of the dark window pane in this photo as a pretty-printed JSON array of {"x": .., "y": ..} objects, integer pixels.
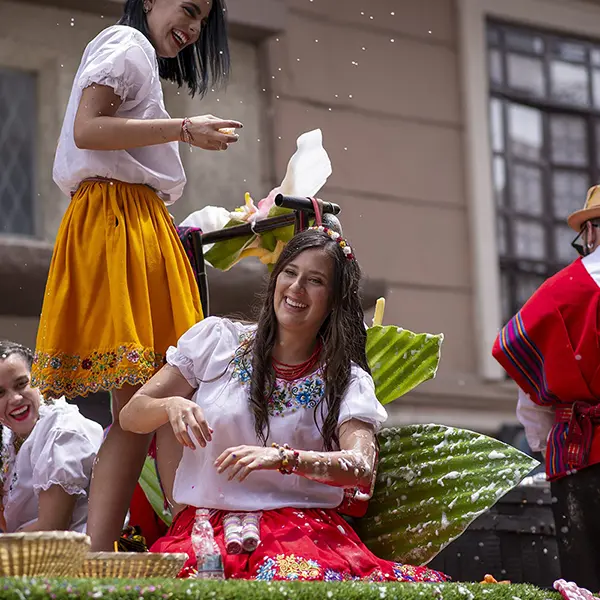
[
  {"x": 529, "y": 239},
  {"x": 523, "y": 41},
  {"x": 499, "y": 174},
  {"x": 569, "y": 83},
  {"x": 563, "y": 236},
  {"x": 526, "y": 190},
  {"x": 526, "y": 74},
  {"x": 569, "y": 189},
  {"x": 525, "y": 132},
  {"x": 17, "y": 151},
  {"x": 568, "y": 140},
  {"x": 505, "y": 299},
  {"x": 493, "y": 36},
  {"x": 501, "y": 231},
  {"x": 525, "y": 285},
  {"x": 495, "y": 60},
  {"x": 595, "y": 56},
  {"x": 569, "y": 50}
]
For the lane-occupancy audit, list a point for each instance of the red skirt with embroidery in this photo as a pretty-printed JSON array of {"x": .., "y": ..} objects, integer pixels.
[{"x": 296, "y": 544}]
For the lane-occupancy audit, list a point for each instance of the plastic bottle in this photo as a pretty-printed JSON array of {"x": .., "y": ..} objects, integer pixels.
[{"x": 208, "y": 555}]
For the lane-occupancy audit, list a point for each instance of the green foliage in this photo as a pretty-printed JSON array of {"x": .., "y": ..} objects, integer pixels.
[
  {"x": 168, "y": 589},
  {"x": 432, "y": 482}
]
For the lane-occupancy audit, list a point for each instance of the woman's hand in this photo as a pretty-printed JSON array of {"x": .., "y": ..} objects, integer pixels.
[
  {"x": 184, "y": 414},
  {"x": 204, "y": 132},
  {"x": 242, "y": 460}
]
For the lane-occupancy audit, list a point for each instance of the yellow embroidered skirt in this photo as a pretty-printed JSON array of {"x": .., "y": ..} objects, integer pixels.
[{"x": 120, "y": 290}]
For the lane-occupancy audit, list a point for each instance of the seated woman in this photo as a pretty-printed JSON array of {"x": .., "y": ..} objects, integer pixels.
[
  {"x": 48, "y": 450},
  {"x": 284, "y": 416}
]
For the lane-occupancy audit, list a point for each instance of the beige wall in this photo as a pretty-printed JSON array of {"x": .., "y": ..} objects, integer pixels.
[{"x": 385, "y": 89}]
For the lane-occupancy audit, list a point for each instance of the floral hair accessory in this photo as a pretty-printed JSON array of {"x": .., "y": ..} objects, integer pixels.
[{"x": 336, "y": 237}]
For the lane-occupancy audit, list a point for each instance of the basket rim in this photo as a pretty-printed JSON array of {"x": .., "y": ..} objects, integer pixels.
[
  {"x": 146, "y": 556},
  {"x": 45, "y": 535}
]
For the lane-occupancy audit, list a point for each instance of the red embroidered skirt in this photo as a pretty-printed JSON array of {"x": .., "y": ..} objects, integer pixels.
[{"x": 296, "y": 544}]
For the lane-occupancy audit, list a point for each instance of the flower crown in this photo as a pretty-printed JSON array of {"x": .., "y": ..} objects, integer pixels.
[{"x": 336, "y": 237}]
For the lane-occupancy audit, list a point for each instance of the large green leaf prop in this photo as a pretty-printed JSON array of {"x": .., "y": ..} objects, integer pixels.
[
  {"x": 151, "y": 487},
  {"x": 432, "y": 482},
  {"x": 400, "y": 360},
  {"x": 223, "y": 255}
]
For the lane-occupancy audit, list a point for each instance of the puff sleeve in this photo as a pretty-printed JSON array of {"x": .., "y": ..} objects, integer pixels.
[
  {"x": 360, "y": 401},
  {"x": 121, "y": 58},
  {"x": 65, "y": 458},
  {"x": 205, "y": 351}
]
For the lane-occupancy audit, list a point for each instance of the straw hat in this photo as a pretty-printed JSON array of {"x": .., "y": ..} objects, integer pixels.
[{"x": 591, "y": 210}]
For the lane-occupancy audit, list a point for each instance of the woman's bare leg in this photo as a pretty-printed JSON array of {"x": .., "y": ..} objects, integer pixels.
[{"x": 115, "y": 475}]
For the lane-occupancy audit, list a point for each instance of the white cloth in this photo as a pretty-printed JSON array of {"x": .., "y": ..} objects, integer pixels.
[
  {"x": 206, "y": 356},
  {"x": 59, "y": 451},
  {"x": 538, "y": 420},
  {"x": 122, "y": 58}
]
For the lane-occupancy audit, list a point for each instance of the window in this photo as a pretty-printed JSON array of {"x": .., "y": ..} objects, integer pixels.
[
  {"x": 545, "y": 135},
  {"x": 18, "y": 111}
]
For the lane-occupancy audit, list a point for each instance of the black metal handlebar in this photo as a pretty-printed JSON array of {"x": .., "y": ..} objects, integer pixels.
[{"x": 306, "y": 205}]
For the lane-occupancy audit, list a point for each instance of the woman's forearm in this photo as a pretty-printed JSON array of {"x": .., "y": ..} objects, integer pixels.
[
  {"x": 348, "y": 469},
  {"x": 115, "y": 133},
  {"x": 144, "y": 414}
]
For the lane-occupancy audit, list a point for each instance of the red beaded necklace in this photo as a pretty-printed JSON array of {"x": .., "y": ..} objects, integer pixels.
[{"x": 292, "y": 372}]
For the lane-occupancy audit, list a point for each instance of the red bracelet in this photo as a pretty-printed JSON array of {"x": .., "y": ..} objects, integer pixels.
[{"x": 185, "y": 135}]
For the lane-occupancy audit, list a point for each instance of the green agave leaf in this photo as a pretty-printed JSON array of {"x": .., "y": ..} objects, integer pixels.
[
  {"x": 151, "y": 487},
  {"x": 224, "y": 254},
  {"x": 400, "y": 360},
  {"x": 432, "y": 482},
  {"x": 268, "y": 239}
]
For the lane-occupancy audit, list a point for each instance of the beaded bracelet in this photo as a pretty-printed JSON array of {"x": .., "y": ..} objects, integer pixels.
[
  {"x": 186, "y": 136},
  {"x": 284, "y": 452}
]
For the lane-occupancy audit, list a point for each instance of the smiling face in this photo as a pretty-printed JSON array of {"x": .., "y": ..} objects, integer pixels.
[
  {"x": 19, "y": 402},
  {"x": 175, "y": 24},
  {"x": 302, "y": 298}
]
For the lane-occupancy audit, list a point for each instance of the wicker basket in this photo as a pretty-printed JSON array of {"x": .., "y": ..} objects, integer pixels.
[
  {"x": 42, "y": 554},
  {"x": 131, "y": 565}
]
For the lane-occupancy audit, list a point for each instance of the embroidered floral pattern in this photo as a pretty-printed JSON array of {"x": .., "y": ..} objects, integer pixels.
[
  {"x": 289, "y": 567},
  {"x": 287, "y": 396},
  {"x": 72, "y": 375},
  {"x": 296, "y": 568}
]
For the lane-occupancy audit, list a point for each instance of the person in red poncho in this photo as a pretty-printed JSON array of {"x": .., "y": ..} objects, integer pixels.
[{"x": 551, "y": 349}]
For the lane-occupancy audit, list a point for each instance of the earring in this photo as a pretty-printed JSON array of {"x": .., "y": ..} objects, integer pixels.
[
  {"x": 147, "y": 8},
  {"x": 590, "y": 245}
]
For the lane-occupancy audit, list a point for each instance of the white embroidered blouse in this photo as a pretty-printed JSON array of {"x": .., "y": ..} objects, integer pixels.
[
  {"x": 122, "y": 58},
  {"x": 59, "y": 451},
  {"x": 209, "y": 357}
]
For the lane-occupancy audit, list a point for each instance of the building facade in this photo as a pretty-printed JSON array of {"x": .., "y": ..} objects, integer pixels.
[{"x": 461, "y": 133}]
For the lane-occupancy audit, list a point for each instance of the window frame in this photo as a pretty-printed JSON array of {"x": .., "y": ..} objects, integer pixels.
[{"x": 576, "y": 19}]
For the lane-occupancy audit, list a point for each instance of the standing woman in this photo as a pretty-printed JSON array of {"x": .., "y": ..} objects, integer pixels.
[{"x": 120, "y": 288}]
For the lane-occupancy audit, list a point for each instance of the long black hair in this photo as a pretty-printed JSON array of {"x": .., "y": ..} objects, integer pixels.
[
  {"x": 201, "y": 65},
  {"x": 343, "y": 334}
]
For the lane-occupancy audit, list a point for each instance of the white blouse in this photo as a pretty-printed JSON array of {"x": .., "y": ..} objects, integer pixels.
[
  {"x": 59, "y": 451},
  {"x": 122, "y": 58},
  {"x": 208, "y": 357}
]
